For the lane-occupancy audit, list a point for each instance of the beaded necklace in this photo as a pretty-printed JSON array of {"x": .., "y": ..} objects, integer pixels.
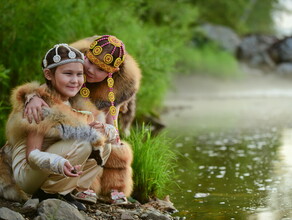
[
  {"x": 85, "y": 92},
  {"x": 108, "y": 61}
]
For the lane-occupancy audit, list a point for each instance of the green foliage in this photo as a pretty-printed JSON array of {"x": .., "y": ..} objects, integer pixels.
[
  {"x": 153, "y": 164},
  {"x": 4, "y": 111},
  {"x": 156, "y": 33},
  {"x": 260, "y": 18},
  {"x": 4, "y": 77},
  {"x": 243, "y": 16},
  {"x": 29, "y": 28},
  {"x": 210, "y": 60},
  {"x": 4, "y": 107}
]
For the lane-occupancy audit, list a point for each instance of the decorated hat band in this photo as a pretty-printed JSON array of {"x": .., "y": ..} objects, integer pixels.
[
  {"x": 99, "y": 63},
  {"x": 72, "y": 57}
]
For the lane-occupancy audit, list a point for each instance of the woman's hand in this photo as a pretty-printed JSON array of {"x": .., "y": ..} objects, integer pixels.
[
  {"x": 99, "y": 126},
  {"x": 33, "y": 109},
  {"x": 108, "y": 130},
  {"x": 72, "y": 171}
]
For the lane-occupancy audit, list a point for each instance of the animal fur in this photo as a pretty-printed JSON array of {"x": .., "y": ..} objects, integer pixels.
[
  {"x": 127, "y": 84},
  {"x": 117, "y": 172},
  {"x": 59, "y": 121},
  {"x": 8, "y": 188}
]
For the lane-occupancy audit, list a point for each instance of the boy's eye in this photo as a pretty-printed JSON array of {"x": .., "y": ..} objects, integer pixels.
[{"x": 79, "y": 74}]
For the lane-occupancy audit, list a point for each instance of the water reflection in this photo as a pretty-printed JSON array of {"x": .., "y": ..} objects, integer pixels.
[
  {"x": 234, "y": 155},
  {"x": 280, "y": 199},
  {"x": 227, "y": 175}
]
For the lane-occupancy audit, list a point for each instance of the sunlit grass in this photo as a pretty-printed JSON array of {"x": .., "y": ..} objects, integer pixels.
[{"x": 153, "y": 164}]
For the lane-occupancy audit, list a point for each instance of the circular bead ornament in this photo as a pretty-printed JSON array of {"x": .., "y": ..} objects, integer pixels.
[
  {"x": 111, "y": 96},
  {"x": 110, "y": 82},
  {"x": 113, "y": 110},
  {"x": 84, "y": 92},
  {"x": 108, "y": 58},
  {"x": 92, "y": 45},
  {"x": 72, "y": 54},
  {"x": 97, "y": 50},
  {"x": 114, "y": 41},
  {"x": 57, "y": 58},
  {"x": 117, "y": 62},
  {"x": 45, "y": 63}
]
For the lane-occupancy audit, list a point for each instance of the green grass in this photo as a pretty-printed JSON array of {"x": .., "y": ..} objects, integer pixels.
[
  {"x": 153, "y": 164},
  {"x": 209, "y": 60}
]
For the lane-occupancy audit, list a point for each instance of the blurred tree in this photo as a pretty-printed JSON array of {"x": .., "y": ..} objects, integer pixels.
[{"x": 241, "y": 15}]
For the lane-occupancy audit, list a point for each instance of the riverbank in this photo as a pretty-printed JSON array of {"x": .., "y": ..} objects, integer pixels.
[{"x": 57, "y": 209}]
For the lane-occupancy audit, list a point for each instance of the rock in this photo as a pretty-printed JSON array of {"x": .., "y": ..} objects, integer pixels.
[
  {"x": 127, "y": 216},
  {"x": 284, "y": 69},
  {"x": 58, "y": 209},
  {"x": 31, "y": 204},
  {"x": 98, "y": 213},
  {"x": 253, "y": 50},
  {"x": 154, "y": 215},
  {"x": 8, "y": 214},
  {"x": 281, "y": 51},
  {"x": 164, "y": 205},
  {"x": 225, "y": 37}
]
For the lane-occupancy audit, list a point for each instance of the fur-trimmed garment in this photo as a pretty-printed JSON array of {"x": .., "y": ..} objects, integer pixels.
[
  {"x": 67, "y": 122},
  {"x": 117, "y": 172},
  {"x": 127, "y": 83},
  {"x": 62, "y": 122}
]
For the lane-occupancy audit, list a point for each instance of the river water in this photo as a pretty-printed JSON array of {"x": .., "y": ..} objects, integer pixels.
[{"x": 234, "y": 143}]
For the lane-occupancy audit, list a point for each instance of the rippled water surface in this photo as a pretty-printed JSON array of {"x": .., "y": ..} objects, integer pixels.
[
  {"x": 227, "y": 175},
  {"x": 234, "y": 145}
]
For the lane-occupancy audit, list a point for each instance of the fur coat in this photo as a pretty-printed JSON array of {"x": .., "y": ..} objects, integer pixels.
[{"x": 60, "y": 121}]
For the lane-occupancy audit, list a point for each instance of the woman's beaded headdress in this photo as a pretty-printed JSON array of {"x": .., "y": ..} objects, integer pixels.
[
  {"x": 57, "y": 59},
  {"x": 108, "y": 53}
]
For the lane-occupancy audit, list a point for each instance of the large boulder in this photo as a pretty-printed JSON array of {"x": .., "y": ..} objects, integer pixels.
[
  {"x": 281, "y": 51},
  {"x": 225, "y": 37},
  {"x": 253, "y": 50}
]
